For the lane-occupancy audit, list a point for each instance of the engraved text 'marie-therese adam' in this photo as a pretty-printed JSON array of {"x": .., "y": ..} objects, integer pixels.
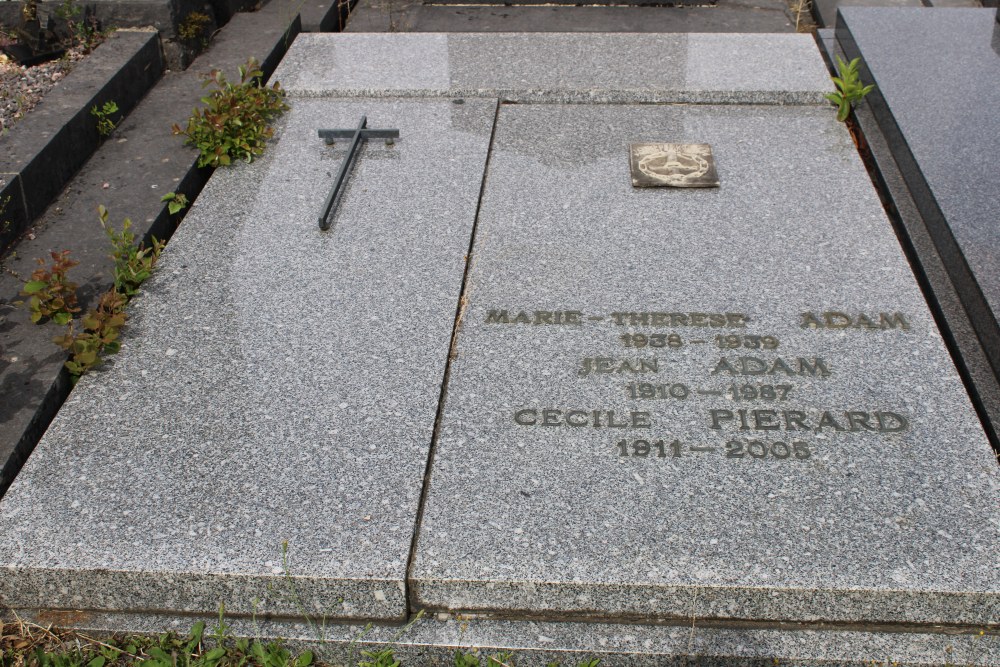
[{"x": 830, "y": 319}]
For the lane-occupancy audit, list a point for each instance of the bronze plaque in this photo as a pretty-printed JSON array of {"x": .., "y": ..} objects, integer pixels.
[{"x": 672, "y": 165}]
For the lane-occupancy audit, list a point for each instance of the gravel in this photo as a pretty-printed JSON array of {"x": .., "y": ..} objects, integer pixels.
[{"x": 21, "y": 88}]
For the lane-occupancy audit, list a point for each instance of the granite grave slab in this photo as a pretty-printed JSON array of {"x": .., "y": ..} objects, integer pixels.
[
  {"x": 650, "y": 408},
  {"x": 723, "y": 403},
  {"x": 938, "y": 88},
  {"x": 262, "y": 438}
]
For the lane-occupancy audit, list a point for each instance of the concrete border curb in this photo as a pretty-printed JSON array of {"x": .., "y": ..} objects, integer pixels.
[{"x": 55, "y": 141}]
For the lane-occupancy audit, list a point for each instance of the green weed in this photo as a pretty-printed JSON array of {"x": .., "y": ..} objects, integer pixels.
[
  {"x": 466, "y": 659},
  {"x": 101, "y": 329},
  {"x": 133, "y": 263},
  {"x": 86, "y": 30},
  {"x": 849, "y": 89},
  {"x": 52, "y": 295},
  {"x": 501, "y": 660},
  {"x": 383, "y": 658},
  {"x": 105, "y": 124},
  {"x": 176, "y": 202},
  {"x": 193, "y": 25},
  {"x": 234, "y": 124}
]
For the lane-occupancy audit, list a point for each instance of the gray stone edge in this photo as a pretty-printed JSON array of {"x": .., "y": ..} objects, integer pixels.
[
  {"x": 14, "y": 217},
  {"x": 527, "y": 96},
  {"x": 326, "y": 16},
  {"x": 433, "y": 640},
  {"x": 194, "y": 592},
  {"x": 650, "y": 603},
  {"x": 54, "y": 159}
]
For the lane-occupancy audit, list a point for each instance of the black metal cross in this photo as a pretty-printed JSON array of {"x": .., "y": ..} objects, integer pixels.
[{"x": 355, "y": 135}]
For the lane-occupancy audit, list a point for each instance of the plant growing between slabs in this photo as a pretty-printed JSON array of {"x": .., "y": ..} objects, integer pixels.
[
  {"x": 176, "y": 202},
  {"x": 849, "y": 89},
  {"x": 4, "y": 223},
  {"x": 101, "y": 327},
  {"x": 234, "y": 124},
  {"x": 133, "y": 263},
  {"x": 52, "y": 295},
  {"x": 193, "y": 25},
  {"x": 86, "y": 31},
  {"x": 105, "y": 126}
]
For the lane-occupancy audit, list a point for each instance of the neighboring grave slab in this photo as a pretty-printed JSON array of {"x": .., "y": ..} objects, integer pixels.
[
  {"x": 723, "y": 403},
  {"x": 278, "y": 385},
  {"x": 937, "y": 77},
  {"x": 560, "y": 67}
]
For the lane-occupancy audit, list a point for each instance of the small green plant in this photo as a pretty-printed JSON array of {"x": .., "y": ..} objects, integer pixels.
[
  {"x": 105, "y": 125},
  {"x": 86, "y": 31},
  {"x": 102, "y": 326},
  {"x": 463, "y": 659},
  {"x": 193, "y": 25},
  {"x": 101, "y": 329},
  {"x": 133, "y": 263},
  {"x": 383, "y": 658},
  {"x": 849, "y": 89},
  {"x": 501, "y": 660},
  {"x": 4, "y": 222},
  {"x": 67, "y": 10},
  {"x": 176, "y": 202},
  {"x": 234, "y": 124},
  {"x": 51, "y": 294}
]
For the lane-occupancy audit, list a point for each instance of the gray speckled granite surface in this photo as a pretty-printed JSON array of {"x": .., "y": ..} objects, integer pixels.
[
  {"x": 277, "y": 384},
  {"x": 578, "y": 67},
  {"x": 280, "y": 385},
  {"x": 434, "y": 639},
  {"x": 940, "y": 76},
  {"x": 886, "y": 515}
]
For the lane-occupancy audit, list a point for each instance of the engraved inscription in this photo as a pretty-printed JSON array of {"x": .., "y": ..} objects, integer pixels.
[
  {"x": 749, "y": 389},
  {"x": 816, "y": 367},
  {"x": 800, "y": 420},
  {"x": 610, "y": 365},
  {"x": 630, "y": 319},
  {"x": 533, "y": 317},
  {"x": 834, "y": 319},
  {"x": 579, "y": 418}
]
